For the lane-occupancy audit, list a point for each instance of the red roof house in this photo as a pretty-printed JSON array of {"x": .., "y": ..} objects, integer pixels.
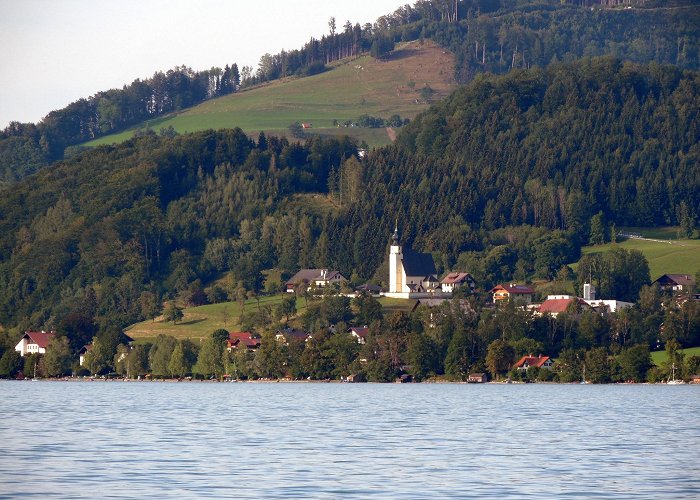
[
  {"x": 555, "y": 306},
  {"x": 34, "y": 342},
  {"x": 538, "y": 361},
  {"x": 242, "y": 339}
]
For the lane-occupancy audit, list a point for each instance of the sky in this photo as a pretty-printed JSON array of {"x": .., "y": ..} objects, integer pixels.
[{"x": 57, "y": 51}]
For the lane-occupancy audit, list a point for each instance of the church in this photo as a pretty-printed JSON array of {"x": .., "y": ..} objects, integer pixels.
[{"x": 411, "y": 275}]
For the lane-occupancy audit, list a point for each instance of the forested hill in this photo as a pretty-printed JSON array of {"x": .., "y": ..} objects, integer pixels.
[
  {"x": 485, "y": 35},
  {"x": 547, "y": 151}
]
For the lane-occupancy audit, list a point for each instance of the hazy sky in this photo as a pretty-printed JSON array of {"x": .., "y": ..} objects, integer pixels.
[{"x": 53, "y": 52}]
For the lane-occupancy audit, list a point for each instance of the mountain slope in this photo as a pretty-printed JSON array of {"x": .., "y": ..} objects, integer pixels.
[{"x": 351, "y": 88}]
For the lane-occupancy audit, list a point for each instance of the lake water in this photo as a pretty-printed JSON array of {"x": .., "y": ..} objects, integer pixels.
[{"x": 285, "y": 440}]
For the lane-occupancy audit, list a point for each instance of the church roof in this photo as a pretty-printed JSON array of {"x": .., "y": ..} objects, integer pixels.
[{"x": 418, "y": 264}]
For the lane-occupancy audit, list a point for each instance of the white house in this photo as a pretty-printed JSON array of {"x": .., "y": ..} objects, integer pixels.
[
  {"x": 83, "y": 352},
  {"x": 320, "y": 278},
  {"x": 34, "y": 343},
  {"x": 456, "y": 280},
  {"x": 411, "y": 275},
  {"x": 360, "y": 333}
]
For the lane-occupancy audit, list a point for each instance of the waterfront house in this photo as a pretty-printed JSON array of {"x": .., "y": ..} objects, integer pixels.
[
  {"x": 83, "y": 352},
  {"x": 242, "y": 339},
  {"x": 34, "y": 343},
  {"x": 478, "y": 378},
  {"x": 537, "y": 361}
]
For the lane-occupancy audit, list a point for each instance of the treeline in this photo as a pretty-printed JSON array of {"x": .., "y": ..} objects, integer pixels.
[
  {"x": 506, "y": 180},
  {"x": 447, "y": 342},
  {"x": 496, "y": 35},
  {"x": 25, "y": 147},
  {"x": 493, "y": 36}
]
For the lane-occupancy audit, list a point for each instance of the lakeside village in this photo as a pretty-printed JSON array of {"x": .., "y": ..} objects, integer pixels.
[{"x": 449, "y": 335}]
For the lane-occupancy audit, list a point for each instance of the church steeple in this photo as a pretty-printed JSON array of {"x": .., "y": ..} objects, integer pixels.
[{"x": 395, "y": 262}]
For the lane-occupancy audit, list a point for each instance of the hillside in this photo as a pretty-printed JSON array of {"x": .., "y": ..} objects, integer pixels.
[
  {"x": 501, "y": 179},
  {"x": 664, "y": 257},
  {"x": 494, "y": 36},
  {"x": 351, "y": 88}
]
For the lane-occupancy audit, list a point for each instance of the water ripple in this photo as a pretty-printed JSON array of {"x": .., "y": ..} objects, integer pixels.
[{"x": 159, "y": 440}]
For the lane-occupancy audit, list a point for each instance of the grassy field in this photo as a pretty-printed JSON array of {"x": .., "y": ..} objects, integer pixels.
[
  {"x": 660, "y": 357},
  {"x": 199, "y": 322},
  {"x": 351, "y": 88},
  {"x": 672, "y": 256}
]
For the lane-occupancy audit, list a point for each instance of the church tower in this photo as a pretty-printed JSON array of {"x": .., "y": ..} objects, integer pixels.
[{"x": 395, "y": 263}]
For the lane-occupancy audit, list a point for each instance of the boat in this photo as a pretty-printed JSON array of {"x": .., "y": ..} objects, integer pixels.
[{"x": 673, "y": 380}]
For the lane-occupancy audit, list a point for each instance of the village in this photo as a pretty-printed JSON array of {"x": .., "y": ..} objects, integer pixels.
[{"x": 412, "y": 278}]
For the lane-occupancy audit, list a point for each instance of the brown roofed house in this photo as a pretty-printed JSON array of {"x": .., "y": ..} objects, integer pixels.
[
  {"x": 675, "y": 283},
  {"x": 517, "y": 293}
]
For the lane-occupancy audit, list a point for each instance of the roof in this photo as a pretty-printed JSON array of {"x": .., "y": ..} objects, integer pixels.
[
  {"x": 367, "y": 287},
  {"x": 41, "y": 339},
  {"x": 310, "y": 275},
  {"x": 293, "y": 333},
  {"x": 537, "y": 361},
  {"x": 418, "y": 264},
  {"x": 557, "y": 306},
  {"x": 456, "y": 278},
  {"x": 514, "y": 288},
  {"x": 360, "y": 331},
  {"x": 678, "y": 279},
  {"x": 86, "y": 348},
  {"x": 245, "y": 338}
]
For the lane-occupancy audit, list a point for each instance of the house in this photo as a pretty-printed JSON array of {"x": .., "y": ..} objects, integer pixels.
[
  {"x": 306, "y": 125},
  {"x": 83, "y": 352},
  {"x": 557, "y": 304},
  {"x": 517, "y": 293},
  {"x": 540, "y": 362},
  {"x": 675, "y": 283},
  {"x": 360, "y": 333},
  {"x": 478, "y": 378},
  {"x": 242, "y": 339},
  {"x": 319, "y": 278},
  {"x": 287, "y": 335},
  {"x": 456, "y": 280},
  {"x": 411, "y": 274},
  {"x": 608, "y": 305},
  {"x": 34, "y": 342}
]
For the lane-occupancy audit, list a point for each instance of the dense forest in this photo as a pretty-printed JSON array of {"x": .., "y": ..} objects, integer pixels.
[
  {"x": 506, "y": 179},
  {"x": 485, "y": 35}
]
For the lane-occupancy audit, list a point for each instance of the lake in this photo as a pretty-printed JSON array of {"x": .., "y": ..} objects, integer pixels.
[{"x": 314, "y": 440}]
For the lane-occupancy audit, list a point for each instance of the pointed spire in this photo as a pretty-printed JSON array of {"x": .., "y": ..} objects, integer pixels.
[{"x": 395, "y": 237}]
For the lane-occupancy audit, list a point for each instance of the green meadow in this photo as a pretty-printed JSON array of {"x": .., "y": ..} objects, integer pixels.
[
  {"x": 664, "y": 257},
  {"x": 199, "y": 322},
  {"x": 660, "y": 357},
  {"x": 349, "y": 89}
]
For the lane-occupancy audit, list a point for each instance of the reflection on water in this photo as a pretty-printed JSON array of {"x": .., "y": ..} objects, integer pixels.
[{"x": 245, "y": 440}]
